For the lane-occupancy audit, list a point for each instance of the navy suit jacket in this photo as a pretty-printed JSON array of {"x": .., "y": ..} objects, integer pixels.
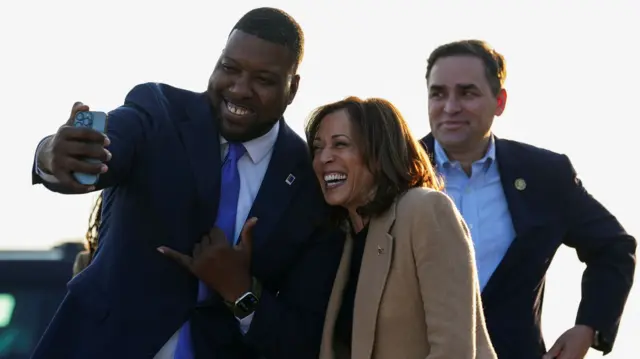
[
  {"x": 553, "y": 209},
  {"x": 162, "y": 188}
]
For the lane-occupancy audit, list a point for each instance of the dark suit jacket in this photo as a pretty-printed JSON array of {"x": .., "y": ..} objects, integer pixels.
[
  {"x": 162, "y": 188},
  {"x": 553, "y": 209}
]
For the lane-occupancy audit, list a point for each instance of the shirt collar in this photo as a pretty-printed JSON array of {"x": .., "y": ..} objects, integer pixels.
[
  {"x": 442, "y": 159},
  {"x": 259, "y": 147}
]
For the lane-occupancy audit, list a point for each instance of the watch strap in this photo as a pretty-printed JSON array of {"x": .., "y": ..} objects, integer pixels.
[{"x": 256, "y": 287}]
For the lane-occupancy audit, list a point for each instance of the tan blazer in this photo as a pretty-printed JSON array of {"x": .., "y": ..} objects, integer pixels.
[{"x": 418, "y": 295}]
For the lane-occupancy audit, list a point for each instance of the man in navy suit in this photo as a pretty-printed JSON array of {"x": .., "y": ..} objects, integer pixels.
[
  {"x": 521, "y": 203},
  {"x": 170, "y": 161}
]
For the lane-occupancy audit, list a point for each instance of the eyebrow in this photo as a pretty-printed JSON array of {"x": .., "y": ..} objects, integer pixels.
[
  {"x": 238, "y": 63},
  {"x": 341, "y": 135},
  {"x": 467, "y": 86},
  {"x": 334, "y": 137}
]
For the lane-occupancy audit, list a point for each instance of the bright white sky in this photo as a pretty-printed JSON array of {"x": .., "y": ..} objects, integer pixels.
[{"x": 572, "y": 82}]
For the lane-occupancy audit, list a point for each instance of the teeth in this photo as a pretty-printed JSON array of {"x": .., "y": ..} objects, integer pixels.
[
  {"x": 335, "y": 177},
  {"x": 237, "y": 110}
]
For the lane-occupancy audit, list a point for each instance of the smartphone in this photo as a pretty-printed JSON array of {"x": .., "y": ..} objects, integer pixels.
[{"x": 96, "y": 121}]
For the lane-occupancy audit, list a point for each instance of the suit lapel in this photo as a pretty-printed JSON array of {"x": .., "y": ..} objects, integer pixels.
[
  {"x": 280, "y": 183},
  {"x": 512, "y": 170},
  {"x": 201, "y": 140},
  {"x": 374, "y": 271},
  {"x": 516, "y": 181}
]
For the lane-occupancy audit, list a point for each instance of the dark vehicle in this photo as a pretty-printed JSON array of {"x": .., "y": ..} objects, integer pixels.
[{"x": 32, "y": 285}]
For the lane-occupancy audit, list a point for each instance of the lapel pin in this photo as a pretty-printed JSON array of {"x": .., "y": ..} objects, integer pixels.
[
  {"x": 380, "y": 250},
  {"x": 520, "y": 184},
  {"x": 290, "y": 179}
]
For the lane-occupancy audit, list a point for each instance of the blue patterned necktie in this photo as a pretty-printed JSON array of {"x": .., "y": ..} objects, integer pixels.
[{"x": 226, "y": 220}]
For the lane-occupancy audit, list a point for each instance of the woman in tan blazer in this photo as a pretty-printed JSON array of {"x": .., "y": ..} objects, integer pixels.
[{"x": 407, "y": 286}]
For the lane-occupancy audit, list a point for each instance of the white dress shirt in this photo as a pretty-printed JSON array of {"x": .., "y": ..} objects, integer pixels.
[{"x": 252, "y": 167}]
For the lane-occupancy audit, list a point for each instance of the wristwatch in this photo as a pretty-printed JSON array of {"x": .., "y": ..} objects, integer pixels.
[
  {"x": 245, "y": 305},
  {"x": 248, "y": 302},
  {"x": 596, "y": 339}
]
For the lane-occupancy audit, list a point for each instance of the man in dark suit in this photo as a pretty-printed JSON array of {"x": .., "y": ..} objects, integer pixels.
[
  {"x": 521, "y": 203},
  {"x": 173, "y": 163}
]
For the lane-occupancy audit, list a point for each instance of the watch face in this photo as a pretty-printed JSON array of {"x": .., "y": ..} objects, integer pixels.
[{"x": 247, "y": 304}]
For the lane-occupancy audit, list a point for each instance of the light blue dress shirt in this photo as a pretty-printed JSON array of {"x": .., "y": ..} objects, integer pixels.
[{"x": 483, "y": 205}]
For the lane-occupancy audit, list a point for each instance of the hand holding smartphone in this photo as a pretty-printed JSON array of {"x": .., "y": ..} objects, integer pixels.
[{"x": 97, "y": 121}]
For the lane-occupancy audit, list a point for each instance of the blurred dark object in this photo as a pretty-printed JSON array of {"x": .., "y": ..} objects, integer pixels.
[{"x": 32, "y": 285}]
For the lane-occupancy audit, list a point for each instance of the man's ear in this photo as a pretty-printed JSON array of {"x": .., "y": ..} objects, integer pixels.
[
  {"x": 501, "y": 102},
  {"x": 293, "y": 88}
]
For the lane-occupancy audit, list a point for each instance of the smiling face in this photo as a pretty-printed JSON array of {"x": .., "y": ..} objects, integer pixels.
[
  {"x": 339, "y": 164},
  {"x": 251, "y": 86},
  {"x": 462, "y": 105}
]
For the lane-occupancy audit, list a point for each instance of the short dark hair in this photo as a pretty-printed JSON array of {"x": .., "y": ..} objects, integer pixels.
[
  {"x": 394, "y": 157},
  {"x": 274, "y": 25},
  {"x": 494, "y": 63}
]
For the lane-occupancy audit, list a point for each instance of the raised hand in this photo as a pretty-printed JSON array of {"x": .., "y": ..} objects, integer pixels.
[
  {"x": 63, "y": 153},
  {"x": 222, "y": 267}
]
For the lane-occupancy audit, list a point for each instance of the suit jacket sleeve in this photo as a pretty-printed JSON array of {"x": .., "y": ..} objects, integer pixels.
[
  {"x": 288, "y": 324},
  {"x": 447, "y": 274},
  {"x": 609, "y": 253},
  {"x": 127, "y": 128}
]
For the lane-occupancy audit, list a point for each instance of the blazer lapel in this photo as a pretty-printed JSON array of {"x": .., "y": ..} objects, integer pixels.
[
  {"x": 517, "y": 186},
  {"x": 514, "y": 176},
  {"x": 335, "y": 301},
  {"x": 374, "y": 270},
  {"x": 280, "y": 183},
  {"x": 200, "y": 138}
]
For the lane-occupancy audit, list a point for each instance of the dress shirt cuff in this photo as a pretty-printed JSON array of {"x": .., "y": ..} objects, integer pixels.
[
  {"x": 245, "y": 323},
  {"x": 45, "y": 177}
]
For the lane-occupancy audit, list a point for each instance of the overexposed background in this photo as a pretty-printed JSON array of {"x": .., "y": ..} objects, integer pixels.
[{"x": 572, "y": 80}]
